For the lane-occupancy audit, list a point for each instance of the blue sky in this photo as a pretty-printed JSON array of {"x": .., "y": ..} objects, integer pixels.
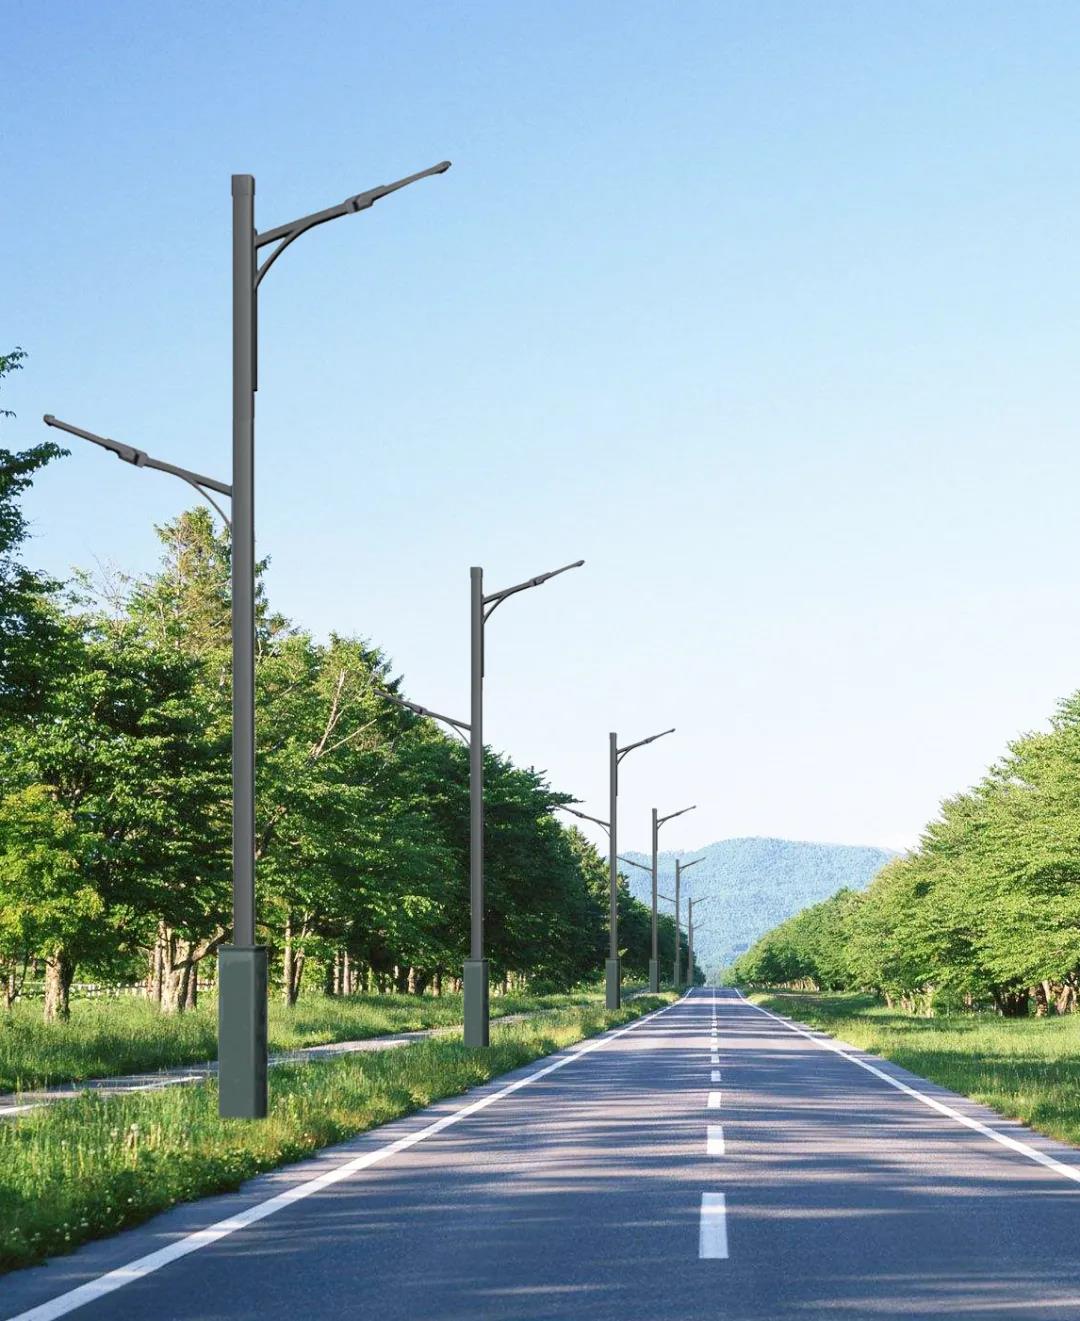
[{"x": 768, "y": 311}]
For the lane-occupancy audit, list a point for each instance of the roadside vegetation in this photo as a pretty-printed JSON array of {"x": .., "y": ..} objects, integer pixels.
[
  {"x": 115, "y": 802},
  {"x": 105, "y": 1038},
  {"x": 983, "y": 915},
  {"x": 84, "y": 1168},
  {"x": 1025, "y": 1069}
]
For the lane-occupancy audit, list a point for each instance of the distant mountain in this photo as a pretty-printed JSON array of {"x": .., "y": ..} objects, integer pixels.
[{"x": 756, "y": 883}]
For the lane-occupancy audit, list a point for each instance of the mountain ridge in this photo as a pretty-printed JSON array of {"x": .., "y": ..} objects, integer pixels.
[{"x": 754, "y": 882}]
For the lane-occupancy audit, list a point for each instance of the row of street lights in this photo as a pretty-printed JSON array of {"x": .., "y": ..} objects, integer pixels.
[
  {"x": 242, "y": 966},
  {"x": 680, "y": 867}
]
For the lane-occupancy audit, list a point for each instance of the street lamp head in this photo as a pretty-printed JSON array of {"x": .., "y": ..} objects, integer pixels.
[
  {"x": 128, "y": 453},
  {"x": 554, "y": 573},
  {"x": 362, "y": 201},
  {"x": 672, "y": 815}
]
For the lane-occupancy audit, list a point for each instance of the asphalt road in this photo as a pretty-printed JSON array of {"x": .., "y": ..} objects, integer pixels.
[{"x": 627, "y": 1180}]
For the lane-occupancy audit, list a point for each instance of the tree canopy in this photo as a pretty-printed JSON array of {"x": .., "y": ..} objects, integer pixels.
[
  {"x": 986, "y": 911},
  {"x": 115, "y": 797}
]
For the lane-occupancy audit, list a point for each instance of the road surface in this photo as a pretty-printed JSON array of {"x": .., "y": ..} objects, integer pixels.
[{"x": 754, "y": 1173}]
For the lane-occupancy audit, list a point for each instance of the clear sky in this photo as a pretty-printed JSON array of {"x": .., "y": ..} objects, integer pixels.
[{"x": 768, "y": 311}]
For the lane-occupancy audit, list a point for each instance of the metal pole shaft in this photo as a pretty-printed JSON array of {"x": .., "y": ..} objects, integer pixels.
[
  {"x": 242, "y": 966},
  {"x": 678, "y": 951},
  {"x": 476, "y": 969},
  {"x": 690, "y": 942},
  {"x": 654, "y": 959},
  {"x": 476, "y": 769},
  {"x": 613, "y": 976},
  {"x": 243, "y": 560}
]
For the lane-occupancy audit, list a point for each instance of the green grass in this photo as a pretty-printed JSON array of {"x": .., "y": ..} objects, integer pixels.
[
  {"x": 1024, "y": 1068},
  {"x": 105, "y": 1038},
  {"x": 84, "y": 1168}
]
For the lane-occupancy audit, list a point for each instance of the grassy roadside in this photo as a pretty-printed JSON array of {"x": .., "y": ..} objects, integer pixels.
[
  {"x": 108, "y": 1038},
  {"x": 1024, "y": 1068},
  {"x": 83, "y": 1168}
]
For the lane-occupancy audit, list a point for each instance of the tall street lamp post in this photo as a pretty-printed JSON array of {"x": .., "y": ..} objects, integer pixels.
[
  {"x": 242, "y": 970},
  {"x": 680, "y": 867},
  {"x": 242, "y": 966},
  {"x": 612, "y": 972},
  {"x": 654, "y": 959},
  {"x": 708, "y": 899},
  {"x": 475, "y": 979}
]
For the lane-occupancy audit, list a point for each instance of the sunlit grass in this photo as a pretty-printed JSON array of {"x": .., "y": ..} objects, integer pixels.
[
  {"x": 1024, "y": 1068},
  {"x": 83, "y": 1168},
  {"x": 108, "y": 1037}
]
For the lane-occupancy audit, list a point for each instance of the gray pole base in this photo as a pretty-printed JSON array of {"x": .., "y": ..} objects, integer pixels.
[
  {"x": 654, "y": 975},
  {"x": 242, "y": 988},
  {"x": 476, "y": 1002},
  {"x": 613, "y": 979}
]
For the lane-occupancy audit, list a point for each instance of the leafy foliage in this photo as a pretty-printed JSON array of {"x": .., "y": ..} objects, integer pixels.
[
  {"x": 986, "y": 911},
  {"x": 115, "y": 805}
]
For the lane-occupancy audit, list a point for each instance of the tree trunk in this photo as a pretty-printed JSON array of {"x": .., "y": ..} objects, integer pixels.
[
  {"x": 287, "y": 975},
  {"x": 1042, "y": 993},
  {"x": 155, "y": 973},
  {"x": 1066, "y": 1000},
  {"x": 59, "y": 973},
  {"x": 192, "y": 1000},
  {"x": 1012, "y": 1004}
]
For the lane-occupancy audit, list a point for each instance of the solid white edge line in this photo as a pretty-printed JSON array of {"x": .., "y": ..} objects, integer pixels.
[
  {"x": 1067, "y": 1171},
  {"x": 112, "y": 1280},
  {"x": 714, "y": 1140},
  {"x": 712, "y": 1235}
]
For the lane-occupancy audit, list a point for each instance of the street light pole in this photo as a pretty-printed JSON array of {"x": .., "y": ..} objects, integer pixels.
[
  {"x": 242, "y": 966},
  {"x": 475, "y": 972},
  {"x": 475, "y": 979},
  {"x": 654, "y": 961},
  {"x": 680, "y": 867},
  {"x": 707, "y": 899},
  {"x": 654, "y": 949},
  {"x": 612, "y": 971}
]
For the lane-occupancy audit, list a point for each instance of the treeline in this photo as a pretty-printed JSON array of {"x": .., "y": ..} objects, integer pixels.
[
  {"x": 115, "y": 799},
  {"x": 984, "y": 913}
]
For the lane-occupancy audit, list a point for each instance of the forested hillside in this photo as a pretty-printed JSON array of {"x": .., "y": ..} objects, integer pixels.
[
  {"x": 985, "y": 913},
  {"x": 115, "y": 799},
  {"x": 752, "y": 884}
]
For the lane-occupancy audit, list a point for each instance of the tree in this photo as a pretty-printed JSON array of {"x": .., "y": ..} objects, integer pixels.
[{"x": 30, "y": 636}]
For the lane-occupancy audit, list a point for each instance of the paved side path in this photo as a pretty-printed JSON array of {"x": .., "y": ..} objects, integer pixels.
[
  {"x": 17, "y": 1103},
  {"x": 13, "y": 1104},
  {"x": 704, "y": 1162}
]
